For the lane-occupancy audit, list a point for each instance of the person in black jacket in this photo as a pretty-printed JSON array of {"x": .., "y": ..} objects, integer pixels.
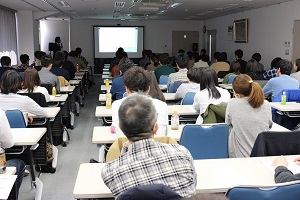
[{"x": 282, "y": 173}]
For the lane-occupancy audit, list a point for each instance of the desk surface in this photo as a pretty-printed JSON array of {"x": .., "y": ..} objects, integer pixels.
[
  {"x": 288, "y": 107},
  {"x": 74, "y": 82},
  {"x": 102, "y": 111},
  {"x": 67, "y": 89},
  {"x": 61, "y": 98},
  {"x": 107, "y": 76},
  {"x": 168, "y": 97},
  {"x": 27, "y": 136},
  {"x": 9, "y": 171},
  {"x": 102, "y": 134},
  {"x": 103, "y": 87},
  {"x": 79, "y": 73},
  {"x": 213, "y": 175}
]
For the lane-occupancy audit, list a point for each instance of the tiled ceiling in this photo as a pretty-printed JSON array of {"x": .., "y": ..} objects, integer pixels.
[{"x": 139, "y": 9}]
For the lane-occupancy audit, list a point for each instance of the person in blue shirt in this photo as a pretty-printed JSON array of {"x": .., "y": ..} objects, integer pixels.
[
  {"x": 283, "y": 82},
  {"x": 118, "y": 87}
]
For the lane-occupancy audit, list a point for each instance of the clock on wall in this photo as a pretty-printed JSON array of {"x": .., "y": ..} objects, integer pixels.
[{"x": 204, "y": 29}]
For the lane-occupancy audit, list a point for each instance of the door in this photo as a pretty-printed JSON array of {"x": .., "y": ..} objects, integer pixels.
[
  {"x": 296, "y": 40},
  {"x": 211, "y": 42},
  {"x": 186, "y": 40}
]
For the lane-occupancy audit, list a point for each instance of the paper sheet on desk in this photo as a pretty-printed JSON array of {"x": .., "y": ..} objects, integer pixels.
[
  {"x": 6, "y": 184},
  {"x": 292, "y": 166}
]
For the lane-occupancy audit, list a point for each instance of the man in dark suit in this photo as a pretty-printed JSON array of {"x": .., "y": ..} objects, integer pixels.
[{"x": 57, "y": 45}]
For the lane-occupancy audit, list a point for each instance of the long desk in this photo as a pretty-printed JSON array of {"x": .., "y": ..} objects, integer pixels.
[
  {"x": 102, "y": 111},
  {"x": 102, "y": 134},
  {"x": 213, "y": 175},
  {"x": 103, "y": 87},
  {"x": 168, "y": 97},
  {"x": 290, "y": 109},
  {"x": 59, "y": 98}
]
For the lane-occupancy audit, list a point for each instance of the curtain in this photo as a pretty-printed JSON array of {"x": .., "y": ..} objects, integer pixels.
[{"x": 8, "y": 34}]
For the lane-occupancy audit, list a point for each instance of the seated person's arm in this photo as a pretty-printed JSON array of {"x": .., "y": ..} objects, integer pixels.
[{"x": 282, "y": 174}]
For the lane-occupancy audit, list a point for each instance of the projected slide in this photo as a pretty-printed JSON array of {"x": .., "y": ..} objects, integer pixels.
[{"x": 109, "y": 39}]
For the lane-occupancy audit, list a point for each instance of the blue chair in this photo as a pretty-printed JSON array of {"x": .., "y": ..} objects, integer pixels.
[
  {"x": 171, "y": 87},
  {"x": 206, "y": 142},
  {"x": 188, "y": 98},
  {"x": 231, "y": 78},
  {"x": 163, "y": 80},
  {"x": 290, "y": 190},
  {"x": 15, "y": 119}
]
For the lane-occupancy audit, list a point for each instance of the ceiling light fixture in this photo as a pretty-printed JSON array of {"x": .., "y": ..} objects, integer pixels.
[{"x": 63, "y": 4}]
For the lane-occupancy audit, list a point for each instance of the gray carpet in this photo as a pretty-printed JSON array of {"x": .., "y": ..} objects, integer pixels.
[{"x": 59, "y": 186}]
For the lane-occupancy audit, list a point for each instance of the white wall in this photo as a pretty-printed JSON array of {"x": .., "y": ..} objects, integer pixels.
[
  {"x": 25, "y": 34},
  {"x": 268, "y": 28},
  {"x": 157, "y": 34}
]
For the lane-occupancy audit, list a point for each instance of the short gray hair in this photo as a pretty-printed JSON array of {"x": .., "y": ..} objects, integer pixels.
[{"x": 137, "y": 117}]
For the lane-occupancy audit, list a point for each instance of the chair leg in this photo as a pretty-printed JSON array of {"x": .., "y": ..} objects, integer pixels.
[
  {"x": 39, "y": 189},
  {"x": 55, "y": 156}
]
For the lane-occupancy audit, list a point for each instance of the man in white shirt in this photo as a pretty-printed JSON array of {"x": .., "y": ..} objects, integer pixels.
[
  {"x": 138, "y": 80},
  {"x": 7, "y": 141},
  {"x": 182, "y": 61},
  {"x": 193, "y": 84}
]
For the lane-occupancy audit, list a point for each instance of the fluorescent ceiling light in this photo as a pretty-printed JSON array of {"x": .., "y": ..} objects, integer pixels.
[
  {"x": 174, "y": 5},
  {"x": 63, "y": 4}
]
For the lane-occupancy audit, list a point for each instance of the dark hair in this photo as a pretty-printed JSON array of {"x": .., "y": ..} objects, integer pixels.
[
  {"x": 256, "y": 57},
  {"x": 154, "y": 59},
  {"x": 24, "y": 58},
  {"x": 124, "y": 54},
  {"x": 182, "y": 60},
  {"x": 155, "y": 91},
  {"x": 297, "y": 63},
  {"x": 243, "y": 84},
  {"x": 137, "y": 79},
  {"x": 252, "y": 66},
  {"x": 10, "y": 82},
  {"x": 274, "y": 63},
  {"x": 40, "y": 55},
  {"x": 203, "y": 51},
  {"x": 78, "y": 50},
  {"x": 235, "y": 67},
  {"x": 36, "y": 53},
  {"x": 125, "y": 64},
  {"x": 66, "y": 54},
  {"x": 223, "y": 57},
  {"x": 190, "y": 55},
  {"x": 60, "y": 55},
  {"x": 164, "y": 59},
  {"x": 57, "y": 63},
  {"x": 31, "y": 79},
  {"x": 217, "y": 55},
  {"x": 137, "y": 117},
  {"x": 46, "y": 60},
  {"x": 181, "y": 51},
  {"x": 72, "y": 53},
  {"x": 5, "y": 60},
  {"x": 57, "y": 39},
  {"x": 193, "y": 74},
  {"x": 209, "y": 81},
  {"x": 285, "y": 67},
  {"x": 196, "y": 56},
  {"x": 239, "y": 53}
]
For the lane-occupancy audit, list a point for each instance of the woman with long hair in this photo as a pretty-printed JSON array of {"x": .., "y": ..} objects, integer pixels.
[
  {"x": 155, "y": 91},
  {"x": 32, "y": 82},
  {"x": 209, "y": 92},
  {"x": 247, "y": 115}
]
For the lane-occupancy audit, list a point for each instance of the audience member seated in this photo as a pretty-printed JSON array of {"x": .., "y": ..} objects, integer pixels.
[
  {"x": 296, "y": 75},
  {"x": 181, "y": 63},
  {"x": 37, "y": 64},
  {"x": 283, "y": 82},
  {"x": 191, "y": 60},
  {"x": 193, "y": 85},
  {"x": 204, "y": 56},
  {"x": 75, "y": 60},
  {"x": 234, "y": 71},
  {"x": 216, "y": 56},
  {"x": 271, "y": 73},
  {"x": 238, "y": 57},
  {"x": 282, "y": 173},
  {"x": 138, "y": 80},
  {"x": 144, "y": 160},
  {"x": 146, "y": 58},
  {"x": 247, "y": 115},
  {"x": 164, "y": 68},
  {"x": 10, "y": 84},
  {"x": 78, "y": 50},
  {"x": 155, "y": 91},
  {"x": 32, "y": 83},
  {"x": 225, "y": 57},
  {"x": 57, "y": 66},
  {"x": 253, "y": 70},
  {"x": 7, "y": 141},
  {"x": 24, "y": 58},
  {"x": 116, "y": 60},
  {"x": 257, "y": 57},
  {"x": 46, "y": 76},
  {"x": 209, "y": 92},
  {"x": 5, "y": 65},
  {"x": 221, "y": 64},
  {"x": 69, "y": 66},
  {"x": 118, "y": 87},
  {"x": 199, "y": 63},
  {"x": 154, "y": 63}
]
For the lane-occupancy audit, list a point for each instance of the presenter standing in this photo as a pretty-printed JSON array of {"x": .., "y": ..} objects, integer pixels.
[{"x": 57, "y": 45}]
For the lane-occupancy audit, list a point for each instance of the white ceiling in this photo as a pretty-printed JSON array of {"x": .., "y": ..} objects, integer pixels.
[{"x": 142, "y": 9}]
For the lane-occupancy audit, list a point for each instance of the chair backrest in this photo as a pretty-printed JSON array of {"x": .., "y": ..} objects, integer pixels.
[
  {"x": 15, "y": 119},
  {"x": 38, "y": 97},
  {"x": 289, "y": 190},
  {"x": 150, "y": 192},
  {"x": 291, "y": 96},
  {"x": 231, "y": 78},
  {"x": 206, "y": 142},
  {"x": 48, "y": 87},
  {"x": 21, "y": 75},
  {"x": 125, "y": 94},
  {"x": 171, "y": 87},
  {"x": 276, "y": 143},
  {"x": 188, "y": 98},
  {"x": 163, "y": 80}
]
